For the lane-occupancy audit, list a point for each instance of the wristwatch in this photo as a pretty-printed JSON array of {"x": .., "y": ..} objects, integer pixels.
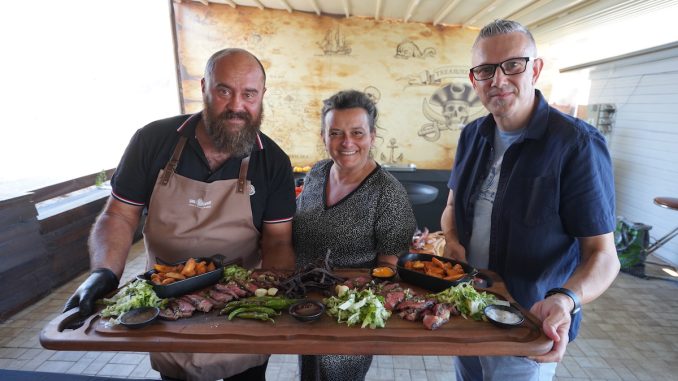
[{"x": 570, "y": 293}]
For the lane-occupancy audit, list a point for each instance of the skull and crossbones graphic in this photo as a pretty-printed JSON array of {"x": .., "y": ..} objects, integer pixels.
[{"x": 455, "y": 101}]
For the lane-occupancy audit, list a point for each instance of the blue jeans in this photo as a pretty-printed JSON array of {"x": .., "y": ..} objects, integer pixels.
[{"x": 496, "y": 368}]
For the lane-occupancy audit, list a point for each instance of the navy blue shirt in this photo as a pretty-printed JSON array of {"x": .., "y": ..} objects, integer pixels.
[
  {"x": 556, "y": 184},
  {"x": 270, "y": 171}
]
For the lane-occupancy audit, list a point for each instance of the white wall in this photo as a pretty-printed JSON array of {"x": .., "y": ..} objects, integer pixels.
[
  {"x": 644, "y": 141},
  {"x": 78, "y": 77}
]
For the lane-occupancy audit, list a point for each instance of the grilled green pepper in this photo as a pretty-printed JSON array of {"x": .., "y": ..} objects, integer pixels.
[
  {"x": 256, "y": 315},
  {"x": 274, "y": 302},
  {"x": 264, "y": 310}
]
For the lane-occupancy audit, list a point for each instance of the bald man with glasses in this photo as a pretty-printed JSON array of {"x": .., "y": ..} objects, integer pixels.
[{"x": 531, "y": 198}]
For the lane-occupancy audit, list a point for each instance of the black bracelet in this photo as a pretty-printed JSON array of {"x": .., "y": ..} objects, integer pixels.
[{"x": 570, "y": 293}]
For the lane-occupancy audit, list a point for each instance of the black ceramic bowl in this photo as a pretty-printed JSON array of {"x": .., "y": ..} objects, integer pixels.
[
  {"x": 503, "y": 316},
  {"x": 431, "y": 283},
  {"x": 307, "y": 310},
  {"x": 139, "y": 317},
  {"x": 183, "y": 287},
  {"x": 383, "y": 273}
]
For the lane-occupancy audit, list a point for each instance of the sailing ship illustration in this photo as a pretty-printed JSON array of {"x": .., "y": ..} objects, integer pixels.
[{"x": 334, "y": 43}]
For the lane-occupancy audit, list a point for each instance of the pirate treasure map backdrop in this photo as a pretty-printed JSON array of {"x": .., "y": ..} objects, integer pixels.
[{"x": 417, "y": 74}]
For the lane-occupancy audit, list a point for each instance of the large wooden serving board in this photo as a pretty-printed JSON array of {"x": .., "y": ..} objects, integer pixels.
[{"x": 209, "y": 332}]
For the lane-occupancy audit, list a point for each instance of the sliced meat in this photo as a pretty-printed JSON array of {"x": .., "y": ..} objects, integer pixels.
[
  {"x": 438, "y": 315},
  {"x": 411, "y": 315},
  {"x": 358, "y": 282},
  {"x": 199, "y": 302},
  {"x": 386, "y": 287},
  {"x": 433, "y": 322},
  {"x": 415, "y": 304},
  {"x": 414, "y": 309},
  {"x": 232, "y": 288},
  {"x": 170, "y": 313},
  {"x": 248, "y": 287},
  {"x": 184, "y": 307},
  {"x": 221, "y": 297},
  {"x": 215, "y": 303},
  {"x": 392, "y": 299}
]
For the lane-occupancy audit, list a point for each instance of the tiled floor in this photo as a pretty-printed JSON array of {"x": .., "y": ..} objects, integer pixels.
[{"x": 630, "y": 333}]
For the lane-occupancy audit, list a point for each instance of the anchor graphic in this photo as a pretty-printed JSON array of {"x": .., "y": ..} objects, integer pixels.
[{"x": 393, "y": 159}]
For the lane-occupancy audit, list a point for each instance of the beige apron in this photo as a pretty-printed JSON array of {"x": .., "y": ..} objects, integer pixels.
[{"x": 189, "y": 218}]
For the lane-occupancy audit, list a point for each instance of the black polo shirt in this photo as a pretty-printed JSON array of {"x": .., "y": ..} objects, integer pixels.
[{"x": 151, "y": 147}]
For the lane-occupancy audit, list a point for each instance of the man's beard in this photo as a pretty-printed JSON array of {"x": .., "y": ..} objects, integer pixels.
[{"x": 236, "y": 143}]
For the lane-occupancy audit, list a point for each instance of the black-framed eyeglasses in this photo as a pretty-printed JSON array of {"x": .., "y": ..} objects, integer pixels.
[{"x": 511, "y": 66}]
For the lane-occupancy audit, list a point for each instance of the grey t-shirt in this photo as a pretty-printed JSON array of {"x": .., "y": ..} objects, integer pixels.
[{"x": 478, "y": 252}]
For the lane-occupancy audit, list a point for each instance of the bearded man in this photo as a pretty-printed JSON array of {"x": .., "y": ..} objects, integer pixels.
[{"x": 211, "y": 183}]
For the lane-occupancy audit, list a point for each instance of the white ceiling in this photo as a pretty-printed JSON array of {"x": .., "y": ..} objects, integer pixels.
[{"x": 547, "y": 19}]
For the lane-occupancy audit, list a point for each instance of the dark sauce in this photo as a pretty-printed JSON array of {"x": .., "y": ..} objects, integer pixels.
[
  {"x": 139, "y": 316},
  {"x": 307, "y": 309}
]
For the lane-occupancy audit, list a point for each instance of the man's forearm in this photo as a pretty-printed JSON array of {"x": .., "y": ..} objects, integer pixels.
[
  {"x": 447, "y": 222},
  {"x": 110, "y": 242},
  {"x": 598, "y": 269}
]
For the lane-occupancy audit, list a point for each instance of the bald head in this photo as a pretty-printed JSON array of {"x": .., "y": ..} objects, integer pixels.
[{"x": 231, "y": 53}]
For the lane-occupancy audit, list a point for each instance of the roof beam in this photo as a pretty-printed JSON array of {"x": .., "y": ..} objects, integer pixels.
[
  {"x": 314, "y": 5},
  {"x": 527, "y": 9},
  {"x": 410, "y": 9},
  {"x": 347, "y": 9},
  {"x": 445, "y": 10},
  {"x": 560, "y": 12},
  {"x": 285, "y": 5},
  {"x": 377, "y": 11},
  {"x": 476, "y": 16},
  {"x": 259, "y": 4}
]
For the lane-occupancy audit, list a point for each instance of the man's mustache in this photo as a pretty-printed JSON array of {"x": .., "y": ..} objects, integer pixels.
[{"x": 226, "y": 115}]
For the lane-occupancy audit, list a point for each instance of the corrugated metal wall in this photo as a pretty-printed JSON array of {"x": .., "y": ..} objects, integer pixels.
[{"x": 644, "y": 140}]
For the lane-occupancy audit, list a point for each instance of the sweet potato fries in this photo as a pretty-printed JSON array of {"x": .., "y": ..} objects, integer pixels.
[
  {"x": 165, "y": 275},
  {"x": 437, "y": 268}
]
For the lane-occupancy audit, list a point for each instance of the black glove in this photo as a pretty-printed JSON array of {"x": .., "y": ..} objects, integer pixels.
[{"x": 99, "y": 283}]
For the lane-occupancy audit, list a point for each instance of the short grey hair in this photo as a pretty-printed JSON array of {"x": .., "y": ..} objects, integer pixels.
[
  {"x": 501, "y": 26},
  {"x": 212, "y": 61}
]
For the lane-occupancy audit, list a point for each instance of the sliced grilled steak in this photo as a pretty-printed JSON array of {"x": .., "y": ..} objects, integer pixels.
[
  {"x": 170, "y": 313},
  {"x": 199, "y": 302},
  {"x": 231, "y": 288},
  {"x": 392, "y": 299},
  {"x": 184, "y": 307},
  {"x": 358, "y": 282},
  {"x": 221, "y": 297},
  {"x": 438, "y": 315},
  {"x": 386, "y": 287},
  {"x": 413, "y": 309},
  {"x": 415, "y": 304}
]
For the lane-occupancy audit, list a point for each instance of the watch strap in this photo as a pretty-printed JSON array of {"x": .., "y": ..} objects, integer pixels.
[{"x": 569, "y": 293}]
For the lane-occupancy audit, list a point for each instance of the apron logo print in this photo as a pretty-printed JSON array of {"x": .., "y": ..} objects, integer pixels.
[
  {"x": 252, "y": 192},
  {"x": 200, "y": 203}
]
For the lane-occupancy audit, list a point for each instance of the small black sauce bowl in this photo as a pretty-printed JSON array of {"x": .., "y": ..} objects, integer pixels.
[
  {"x": 307, "y": 310},
  {"x": 491, "y": 310},
  {"x": 139, "y": 317},
  {"x": 378, "y": 277}
]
